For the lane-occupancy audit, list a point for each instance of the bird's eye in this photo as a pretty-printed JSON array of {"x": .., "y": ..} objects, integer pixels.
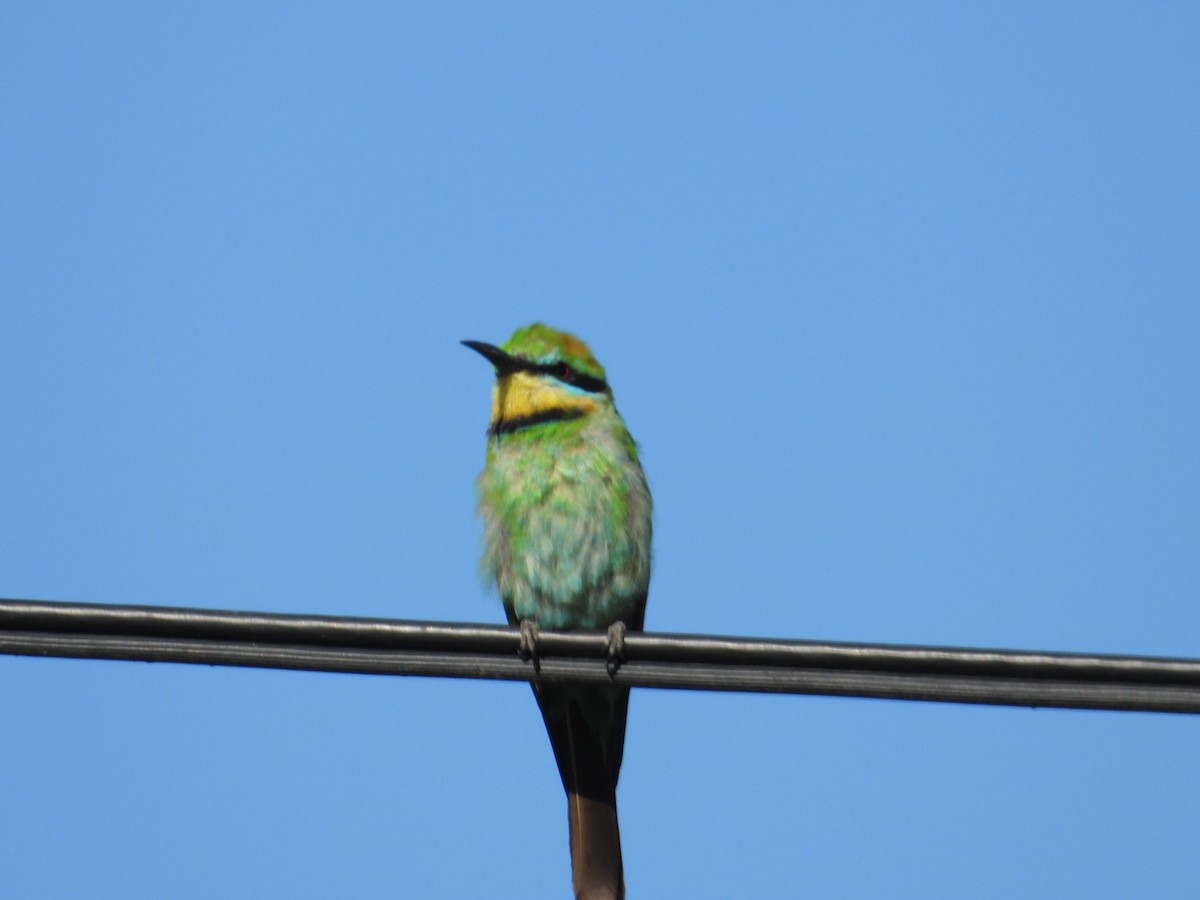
[{"x": 565, "y": 373}]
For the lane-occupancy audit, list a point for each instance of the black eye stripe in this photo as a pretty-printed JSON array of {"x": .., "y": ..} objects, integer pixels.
[{"x": 570, "y": 375}]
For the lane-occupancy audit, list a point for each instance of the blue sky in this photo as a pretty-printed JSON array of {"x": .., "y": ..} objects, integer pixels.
[{"x": 901, "y": 301}]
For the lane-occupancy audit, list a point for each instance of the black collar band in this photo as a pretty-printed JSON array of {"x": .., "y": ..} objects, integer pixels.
[{"x": 556, "y": 414}]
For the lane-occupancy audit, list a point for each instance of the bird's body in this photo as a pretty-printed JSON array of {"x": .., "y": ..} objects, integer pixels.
[{"x": 567, "y": 532}]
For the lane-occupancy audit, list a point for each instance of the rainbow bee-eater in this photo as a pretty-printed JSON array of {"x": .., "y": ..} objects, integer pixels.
[{"x": 566, "y": 513}]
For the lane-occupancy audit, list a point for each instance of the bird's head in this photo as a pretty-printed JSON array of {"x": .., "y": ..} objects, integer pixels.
[{"x": 542, "y": 376}]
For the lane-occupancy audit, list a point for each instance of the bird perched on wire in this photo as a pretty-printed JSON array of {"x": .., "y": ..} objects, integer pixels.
[{"x": 566, "y": 513}]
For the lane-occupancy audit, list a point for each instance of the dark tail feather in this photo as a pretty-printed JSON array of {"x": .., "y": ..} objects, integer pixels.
[
  {"x": 586, "y": 724},
  {"x": 596, "y": 869}
]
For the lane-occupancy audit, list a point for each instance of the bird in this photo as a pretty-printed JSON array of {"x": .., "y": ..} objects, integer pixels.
[{"x": 566, "y": 511}]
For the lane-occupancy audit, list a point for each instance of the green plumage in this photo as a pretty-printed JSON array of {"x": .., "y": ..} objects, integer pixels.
[
  {"x": 566, "y": 518},
  {"x": 565, "y": 506},
  {"x": 567, "y": 532}
]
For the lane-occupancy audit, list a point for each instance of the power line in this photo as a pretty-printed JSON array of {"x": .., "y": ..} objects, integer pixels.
[{"x": 394, "y": 647}]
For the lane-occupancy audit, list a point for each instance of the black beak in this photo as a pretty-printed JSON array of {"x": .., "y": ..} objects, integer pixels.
[{"x": 504, "y": 363}]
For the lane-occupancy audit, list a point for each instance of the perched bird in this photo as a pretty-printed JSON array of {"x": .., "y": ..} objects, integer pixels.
[{"x": 566, "y": 513}]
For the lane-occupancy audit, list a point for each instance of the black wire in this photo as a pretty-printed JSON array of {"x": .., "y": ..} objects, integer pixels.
[{"x": 392, "y": 647}]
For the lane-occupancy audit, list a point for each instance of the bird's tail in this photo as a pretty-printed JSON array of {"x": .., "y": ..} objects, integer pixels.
[{"x": 586, "y": 724}]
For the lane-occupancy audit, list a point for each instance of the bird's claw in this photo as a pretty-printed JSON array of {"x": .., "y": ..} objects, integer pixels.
[
  {"x": 527, "y": 647},
  {"x": 614, "y": 647}
]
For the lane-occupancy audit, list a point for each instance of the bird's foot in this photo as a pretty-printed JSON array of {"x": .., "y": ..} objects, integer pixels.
[
  {"x": 614, "y": 647},
  {"x": 527, "y": 648}
]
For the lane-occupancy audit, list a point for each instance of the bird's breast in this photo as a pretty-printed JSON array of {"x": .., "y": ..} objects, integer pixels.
[{"x": 567, "y": 529}]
